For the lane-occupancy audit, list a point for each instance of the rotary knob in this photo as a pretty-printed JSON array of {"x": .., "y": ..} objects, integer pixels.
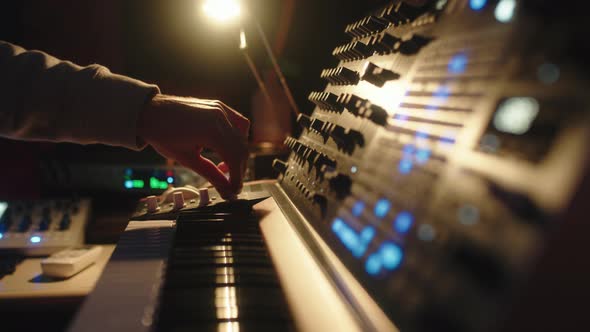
[
  {"x": 204, "y": 196},
  {"x": 304, "y": 121},
  {"x": 178, "y": 201},
  {"x": 151, "y": 203}
]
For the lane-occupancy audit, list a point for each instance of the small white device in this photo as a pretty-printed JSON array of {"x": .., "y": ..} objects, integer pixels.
[{"x": 66, "y": 263}]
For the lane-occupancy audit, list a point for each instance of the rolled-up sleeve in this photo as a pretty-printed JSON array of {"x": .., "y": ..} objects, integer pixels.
[{"x": 44, "y": 98}]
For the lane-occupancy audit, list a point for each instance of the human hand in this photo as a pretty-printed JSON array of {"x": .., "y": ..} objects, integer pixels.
[{"x": 180, "y": 128}]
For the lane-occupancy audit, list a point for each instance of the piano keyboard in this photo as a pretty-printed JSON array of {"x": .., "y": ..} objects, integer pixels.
[{"x": 220, "y": 277}]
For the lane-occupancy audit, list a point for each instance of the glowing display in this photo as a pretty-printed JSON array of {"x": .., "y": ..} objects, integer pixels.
[
  {"x": 356, "y": 243},
  {"x": 35, "y": 239},
  {"x": 403, "y": 222},
  {"x": 382, "y": 208},
  {"x": 477, "y": 4},
  {"x": 515, "y": 115},
  {"x": 158, "y": 184},
  {"x": 504, "y": 11}
]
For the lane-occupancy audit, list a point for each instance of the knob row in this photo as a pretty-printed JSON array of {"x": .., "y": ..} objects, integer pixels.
[
  {"x": 366, "y": 26},
  {"x": 354, "y": 104},
  {"x": 393, "y": 15},
  {"x": 326, "y": 101},
  {"x": 386, "y": 43},
  {"x": 315, "y": 159},
  {"x": 355, "y": 50},
  {"x": 346, "y": 139},
  {"x": 371, "y": 73},
  {"x": 341, "y": 76}
]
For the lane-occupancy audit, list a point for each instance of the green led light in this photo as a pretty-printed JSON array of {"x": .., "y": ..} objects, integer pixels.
[
  {"x": 138, "y": 183},
  {"x": 157, "y": 184}
]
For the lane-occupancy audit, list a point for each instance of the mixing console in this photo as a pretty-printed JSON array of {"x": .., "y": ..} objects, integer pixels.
[{"x": 438, "y": 157}]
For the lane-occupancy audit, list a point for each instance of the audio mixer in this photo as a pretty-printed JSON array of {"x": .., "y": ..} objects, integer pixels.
[{"x": 429, "y": 182}]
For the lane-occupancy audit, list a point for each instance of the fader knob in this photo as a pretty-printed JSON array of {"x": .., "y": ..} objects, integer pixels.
[
  {"x": 341, "y": 185},
  {"x": 378, "y": 115},
  {"x": 178, "y": 200},
  {"x": 378, "y": 76},
  {"x": 413, "y": 44},
  {"x": 304, "y": 121},
  {"x": 151, "y": 203},
  {"x": 204, "y": 196},
  {"x": 279, "y": 166},
  {"x": 347, "y": 138},
  {"x": 324, "y": 160}
]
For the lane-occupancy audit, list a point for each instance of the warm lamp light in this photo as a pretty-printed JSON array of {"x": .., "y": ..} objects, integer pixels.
[{"x": 222, "y": 10}]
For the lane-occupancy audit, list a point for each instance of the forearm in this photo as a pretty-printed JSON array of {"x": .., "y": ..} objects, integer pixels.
[{"x": 43, "y": 98}]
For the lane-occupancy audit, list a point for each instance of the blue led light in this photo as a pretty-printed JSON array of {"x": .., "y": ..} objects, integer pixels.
[
  {"x": 1, "y": 236},
  {"x": 405, "y": 166},
  {"x": 170, "y": 180},
  {"x": 382, "y": 207},
  {"x": 367, "y": 234},
  {"x": 128, "y": 184},
  {"x": 357, "y": 208},
  {"x": 477, "y": 4},
  {"x": 356, "y": 243},
  {"x": 457, "y": 64},
  {"x": 422, "y": 156},
  {"x": 128, "y": 171},
  {"x": 408, "y": 149},
  {"x": 373, "y": 264},
  {"x": 35, "y": 239},
  {"x": 403, "y": 222},
  {"x": 391, "y": 255}
]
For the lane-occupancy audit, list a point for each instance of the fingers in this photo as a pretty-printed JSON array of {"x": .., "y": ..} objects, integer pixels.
[
  {"x": 209, "y": 171},
  {"x": 223, "y": 167},
  {"x": 238, "y": 120}
]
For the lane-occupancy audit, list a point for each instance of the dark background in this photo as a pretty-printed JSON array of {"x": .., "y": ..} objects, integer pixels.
[{"x": 169, "y": 43}]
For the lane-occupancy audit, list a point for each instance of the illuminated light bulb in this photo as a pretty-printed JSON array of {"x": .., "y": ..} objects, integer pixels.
[
  {"x": 222, "y": 10},
  {"x": 515, "y": 115},
  {"x": 504, "y": 11}
]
